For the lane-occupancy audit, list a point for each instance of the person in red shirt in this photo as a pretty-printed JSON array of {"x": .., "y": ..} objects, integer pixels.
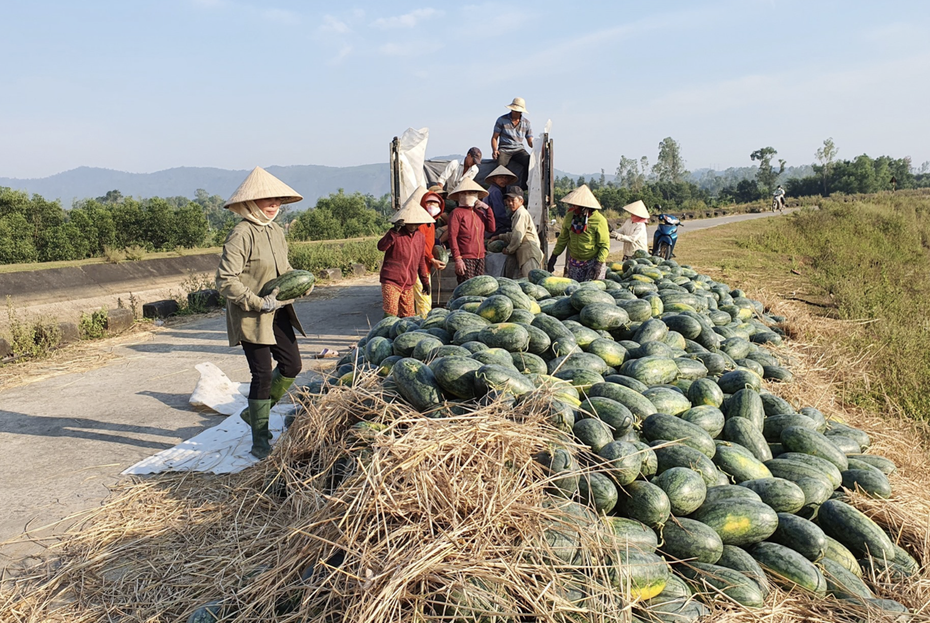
[
  {"x": 431, "y": 202},
  {"x": 467, "y": 225},
  {"x": 404, "y": 258}
]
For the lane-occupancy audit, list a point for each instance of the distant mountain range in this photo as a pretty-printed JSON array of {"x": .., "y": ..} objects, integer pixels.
[{"x": 313, "y": 181}]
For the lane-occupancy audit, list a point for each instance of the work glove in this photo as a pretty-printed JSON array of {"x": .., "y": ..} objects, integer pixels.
[
  {"x": 551, "y": 265},
  {"x": 270, "y": 302},
  {"x": 600, "y": 270},
  {"x": 426, "y": 287},
  {"x": 459, "y": 266}
]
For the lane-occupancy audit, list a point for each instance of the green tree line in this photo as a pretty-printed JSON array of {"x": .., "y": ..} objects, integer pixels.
[{"x": 33, "y": 229}]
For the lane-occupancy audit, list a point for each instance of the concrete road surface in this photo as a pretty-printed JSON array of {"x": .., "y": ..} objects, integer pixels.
[{"x": 66, "y": 439}]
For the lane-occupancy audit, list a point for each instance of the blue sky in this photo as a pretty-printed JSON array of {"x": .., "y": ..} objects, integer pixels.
[{"x": 141, "y": 86}]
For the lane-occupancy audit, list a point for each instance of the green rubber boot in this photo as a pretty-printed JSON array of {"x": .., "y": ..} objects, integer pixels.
[
  {"x": 279, "y": 386},
  {"x": 259, "y": 411}
]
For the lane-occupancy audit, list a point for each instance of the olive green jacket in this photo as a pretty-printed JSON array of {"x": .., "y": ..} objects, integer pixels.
[
  {"x": 591, "y": 244},
  {"x": 252, "y": 256}
]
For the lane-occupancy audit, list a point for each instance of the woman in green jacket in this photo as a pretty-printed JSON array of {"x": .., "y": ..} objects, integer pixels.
[
  {"x": 255, "y": 253},
  {"x": 587, "y": 236}
]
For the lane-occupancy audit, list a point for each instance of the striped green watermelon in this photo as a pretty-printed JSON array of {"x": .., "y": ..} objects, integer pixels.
[
  {"x": 685, "y": 489},
  {"x": 686, "y": 539},
  {"x": 291, "y": 285}
]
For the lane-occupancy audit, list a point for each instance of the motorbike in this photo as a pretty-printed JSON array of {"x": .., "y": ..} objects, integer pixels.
[
  {"x": 778, "y": 203},
  {"x": 666, "y": 235}
]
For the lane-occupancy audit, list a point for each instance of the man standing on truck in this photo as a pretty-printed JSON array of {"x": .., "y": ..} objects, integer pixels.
[
  {"x": 507, "y": 141},
  {"x": 454, "y": 172}
]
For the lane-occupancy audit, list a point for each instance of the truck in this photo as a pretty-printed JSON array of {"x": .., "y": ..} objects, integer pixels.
[{"x": 410, "y": 168}]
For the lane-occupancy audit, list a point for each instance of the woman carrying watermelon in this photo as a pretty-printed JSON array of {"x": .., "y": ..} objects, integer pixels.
[
  {"x": 466, "y": 230},
  {"x": 587, "y": 236},
  {"x": 404, "y": 258},
  {"x": 431, "y": 202},
  {"x": 255, "y": 253}
]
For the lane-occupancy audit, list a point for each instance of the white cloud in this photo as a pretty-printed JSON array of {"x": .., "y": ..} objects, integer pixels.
[
  {"x": 408, "y": 20},
  {"x": 344, "y": 52},
  {"x": 331, "y": 25}
]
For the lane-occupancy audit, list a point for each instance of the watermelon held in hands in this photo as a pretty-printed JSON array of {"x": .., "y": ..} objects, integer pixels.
[
  {"x": 497, "y": 246},
  {"x": 441, "y": 253},
  {"x": 291, "y": 285}
]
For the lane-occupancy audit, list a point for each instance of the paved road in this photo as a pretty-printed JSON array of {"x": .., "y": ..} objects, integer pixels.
[
  {"x": 66, "y": 439},
  {"x": 617, "y": 246}
]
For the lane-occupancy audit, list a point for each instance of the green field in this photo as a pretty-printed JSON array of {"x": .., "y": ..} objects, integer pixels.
[{"x": 864, "y": 261}]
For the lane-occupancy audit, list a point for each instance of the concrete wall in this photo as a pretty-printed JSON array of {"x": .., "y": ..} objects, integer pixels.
[{"x": 55, "y": 285}]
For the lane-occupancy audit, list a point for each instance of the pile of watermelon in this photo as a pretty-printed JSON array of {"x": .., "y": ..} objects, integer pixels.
[{"x": 655, "y": 375}]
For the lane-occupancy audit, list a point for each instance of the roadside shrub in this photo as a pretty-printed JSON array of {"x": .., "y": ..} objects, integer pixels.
[
  {"x": 113, "y": 256},
  {"x": 31, "y": 339},
  {"x": 135, "y": 253},
  {"x": 93, "y": 326}
]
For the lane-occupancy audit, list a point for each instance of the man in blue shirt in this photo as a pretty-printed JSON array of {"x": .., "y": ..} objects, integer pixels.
[{"x": 510, "y": 130}]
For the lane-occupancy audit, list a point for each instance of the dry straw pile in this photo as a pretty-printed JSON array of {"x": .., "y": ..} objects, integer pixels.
[{"x": 399, "y": 518}]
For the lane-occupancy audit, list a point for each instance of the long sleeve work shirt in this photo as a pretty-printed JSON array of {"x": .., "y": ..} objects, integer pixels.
[
  {"x": 466, "y": 232},
  {"x": 404, "y": 259}
]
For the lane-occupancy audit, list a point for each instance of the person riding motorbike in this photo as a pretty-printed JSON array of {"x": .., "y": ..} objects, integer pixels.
[{"x": 778, "y": 199}]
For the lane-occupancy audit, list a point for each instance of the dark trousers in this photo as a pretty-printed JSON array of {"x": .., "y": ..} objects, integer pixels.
[
  {"x": 284, "y": 351},
  {"x": 518, "y": 162}
]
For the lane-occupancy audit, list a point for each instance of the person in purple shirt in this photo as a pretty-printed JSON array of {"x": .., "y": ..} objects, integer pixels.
[
  {"x": 510, "y": 131},
  {"x": 498, "y": 180}
]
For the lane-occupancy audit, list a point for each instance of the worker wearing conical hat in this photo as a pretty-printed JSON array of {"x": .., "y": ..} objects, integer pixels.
[
  {"x": 404, "y": 258},
  {"x": 255, "y": 252},
  {"x": 633, "y": 231},
  {"x": 586, "y": 235},
  {"x": 498, "y": 180},
  {"x": 467, "y": 226}
]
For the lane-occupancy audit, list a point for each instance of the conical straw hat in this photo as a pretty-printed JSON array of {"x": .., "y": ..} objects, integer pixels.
[
  {"x": 468, "y": 185},
  {"x": 411, "y": 213},
  {"x": 582, "y": 197},
  {"x": 260, "y": 184},
  {"x": 637, "y": 208},
  {"x": 501, "y": 170}
]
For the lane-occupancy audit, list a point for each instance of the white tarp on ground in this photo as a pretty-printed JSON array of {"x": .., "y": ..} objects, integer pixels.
[
  {"x": 223, "y": 449},
  {"x": 412, "y": 154}
]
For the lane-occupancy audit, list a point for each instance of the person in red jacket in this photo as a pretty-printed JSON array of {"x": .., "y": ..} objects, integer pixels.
[
  {"x": 431, "y": 202},
  {"x": 467, "y": 225},
  {"x": 404, "y": 259}
]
